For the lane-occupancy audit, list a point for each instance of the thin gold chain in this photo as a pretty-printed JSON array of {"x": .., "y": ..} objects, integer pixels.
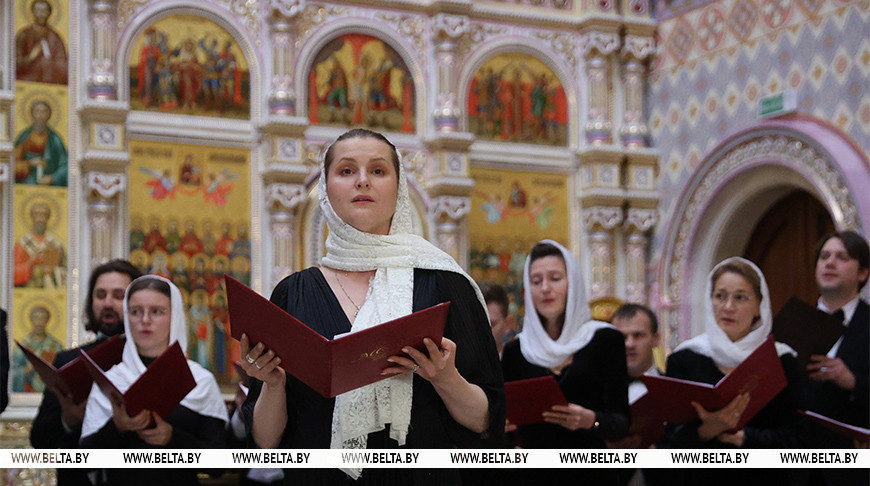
[{"x": 337, "y": 279}]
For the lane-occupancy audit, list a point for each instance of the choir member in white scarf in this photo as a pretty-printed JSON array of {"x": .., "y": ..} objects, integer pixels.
[
  {"x": 737, "y": 320},
  {"x": 153, "y": 320},
  {"x": 376, "y": 270}
]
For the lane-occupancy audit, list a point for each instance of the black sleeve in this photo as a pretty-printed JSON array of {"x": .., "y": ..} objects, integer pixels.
[
  {"x": 788, "y": 430},
  {"x": 108, "y": 437},
  {"x": 4, "y": 362},
  {"x": 476, "y": 357},
  {"x": 209, "y": 433},
  {"x": 613, "y": 416},
  {"x": 47, "y": 431}
]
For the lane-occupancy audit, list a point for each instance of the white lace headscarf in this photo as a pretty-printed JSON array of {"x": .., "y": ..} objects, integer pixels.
[
  {"x": 394, "y": 257},
  {"x": 205, "y": 399},
  {"x": 716, "y": 345},
  {"x": 536, "y": 345}
]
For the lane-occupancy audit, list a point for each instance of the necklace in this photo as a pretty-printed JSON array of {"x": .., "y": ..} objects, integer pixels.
[{"x": 337, "y": 279}]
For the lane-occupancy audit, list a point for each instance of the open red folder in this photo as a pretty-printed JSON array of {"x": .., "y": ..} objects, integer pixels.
[
  {"x": 73, "y": 379},
  {"x": 844, "y": 429},
  {"x": 329, "y": 367},
  {"x": 160, "y": 389},
  {"x": 646, "y": 421},
  {"x": 528, "y": 399},
  {"x": 760, "y": 375}
]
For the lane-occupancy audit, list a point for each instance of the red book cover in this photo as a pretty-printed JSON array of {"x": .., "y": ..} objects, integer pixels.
[
  {"x": 73, "y": 378},
  {"x": 846, "y": 430},
  {"x": 528, "y": 399},
  {"x": 160, "y": 389},
  {"x": 760, "y": 375},
  {"x": 330, "y": 367},
  {"x": 646, "y": 421}
]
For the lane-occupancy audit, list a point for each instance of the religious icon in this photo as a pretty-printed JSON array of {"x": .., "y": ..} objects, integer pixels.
[
  {"x": 40, "y": 154},
  {"x": 40, "y": 53}
]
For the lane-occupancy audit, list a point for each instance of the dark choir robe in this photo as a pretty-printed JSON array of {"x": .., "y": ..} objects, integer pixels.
[
  {"x": 597, "y": 379},
  {"x": 190, "y": 430},
  {"x": 777, "y": 425},
  {"x": 307, "y": 296},
  {"x": 846, "y": 406},
  {"x": 48, "y": 432}
]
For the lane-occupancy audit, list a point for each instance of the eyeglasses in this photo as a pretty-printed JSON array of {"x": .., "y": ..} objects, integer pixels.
[
  {"x": 722, "y": 298},
  {"x": 139, "y": 313}
]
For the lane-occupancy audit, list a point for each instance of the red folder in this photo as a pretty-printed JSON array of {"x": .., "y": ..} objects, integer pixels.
[
  {"x": 528, "y": 399},
  {"x": 760, "y": 374},
  {"x": 160, "y": 389},
  {"x": 846, "y": 430},
  {"x": 646, "y": 421},
  {"x": 73, "y": 379},
  {"x": 329, "y": 367}
]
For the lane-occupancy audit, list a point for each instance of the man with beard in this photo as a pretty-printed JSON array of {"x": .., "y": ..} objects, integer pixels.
[
  {"x": 40, "y": 154},
  {"x": 39, "y": 256},
  {"x": 59, "y": 421},
  {"x": 40, "y": 53}
]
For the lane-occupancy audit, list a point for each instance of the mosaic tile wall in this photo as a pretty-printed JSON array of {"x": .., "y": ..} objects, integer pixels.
[{"x": 715, "y": 62}]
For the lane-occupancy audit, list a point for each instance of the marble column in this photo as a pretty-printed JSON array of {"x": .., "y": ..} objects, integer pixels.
[
  {"x": 448, "y": 28},
  {"x": 102, "y": 23},
  {"x": 597, "y": 48},
  {"x": 599, "y": 223},
  {"x": 283, "y": 200},
  {"x": 450, "y": 214},
  {"x": 634, "y": 53},
  {"x": 103, "y": 190},
  {"x": 282, "y": 32}
]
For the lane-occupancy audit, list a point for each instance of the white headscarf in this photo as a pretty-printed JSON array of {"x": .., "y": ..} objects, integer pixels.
[
  {"x": 716, "y": 345},
  {"x": 205, "y": 399},
  {"x": 393, "y": 257},
  {"x": 536, "y": 345}
]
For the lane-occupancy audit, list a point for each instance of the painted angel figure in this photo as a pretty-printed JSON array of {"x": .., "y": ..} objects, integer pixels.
[
  {"x": 219, "y": 187},
  {"x": 162, "y": 184}
]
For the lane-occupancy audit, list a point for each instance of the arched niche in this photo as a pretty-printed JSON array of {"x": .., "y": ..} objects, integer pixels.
[
  {"x": 209, "y": 26},
  {"x": 504, "y": 49},
  {"x": 734, "y": 187},
  {"x": 349, "y": 43}
]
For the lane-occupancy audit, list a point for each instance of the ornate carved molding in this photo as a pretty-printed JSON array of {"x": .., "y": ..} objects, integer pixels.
[
  {"x": 604, "y": 42},
  {"x": 477, "y": 33},
  {"x": 288, "y": 8},
  {"x": 247, "y": 10},
  {"x": 451, "y": 26},
  {"x": 411, "y": 27},
  {"x": 453, "y": 207},
  {"x": 105, "y": 184},
  {"x": 607, "y": 217},
  {"x": 315, "y": 15},
  {"x": 4, "y": 172},
  {"x": 789, "y": 151},
  {"x": 641, "y": 219},
  {"x": 285, "y": 196},
  {"x": 563, "y": 43},
  {"x": 638, "y": 47}
]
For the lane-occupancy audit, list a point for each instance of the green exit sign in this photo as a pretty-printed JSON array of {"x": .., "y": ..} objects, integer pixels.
[{"x": 777, "y": 104}]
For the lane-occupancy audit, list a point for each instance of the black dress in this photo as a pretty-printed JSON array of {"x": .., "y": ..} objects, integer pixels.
[
  {"x": 307, "y": 296},
  {"x": 597, "y": 379},
  {"x": 777, "y": 425},
  {"x": 190, "y": 430},
  {"x": 48, "y": 431}
]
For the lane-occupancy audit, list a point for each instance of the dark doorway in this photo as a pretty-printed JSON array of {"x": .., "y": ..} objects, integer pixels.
[{"x": 782, "y": 245}]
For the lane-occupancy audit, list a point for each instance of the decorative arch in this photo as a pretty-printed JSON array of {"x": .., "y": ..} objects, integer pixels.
[
  {"x": 309, "y": 53},
  {"x": 513, "y": 44},
  {"x": 148, "y": 16},
  {"x": 737, "y": 183}
]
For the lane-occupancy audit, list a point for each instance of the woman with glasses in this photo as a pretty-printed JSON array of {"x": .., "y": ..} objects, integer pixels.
[
  {"x": 737, "y": 321},
  {"x": 154, "y": 319}
]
